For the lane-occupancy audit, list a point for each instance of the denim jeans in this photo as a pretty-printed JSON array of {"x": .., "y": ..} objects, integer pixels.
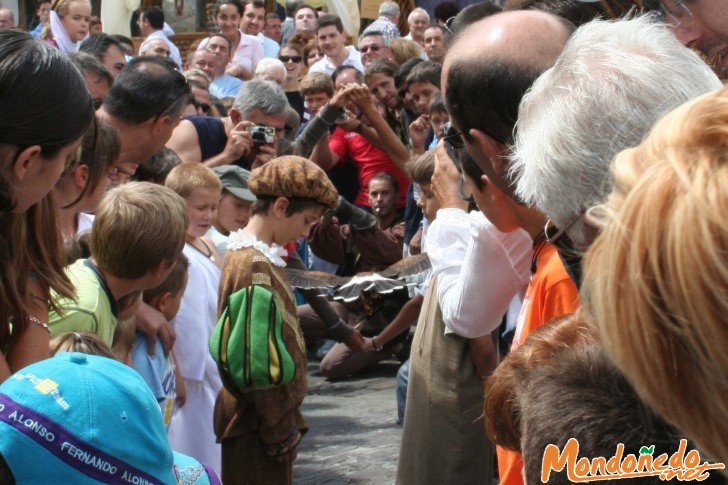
[{"x": 401, "y": 390}]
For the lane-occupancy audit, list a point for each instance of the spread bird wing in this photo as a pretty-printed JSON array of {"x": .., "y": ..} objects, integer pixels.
[
  {"x": 408, "y": 267},
  {"x": 349, "y": 288},
  {"x": 367, "y": 282},
  {"x": 314, "y": 279}
]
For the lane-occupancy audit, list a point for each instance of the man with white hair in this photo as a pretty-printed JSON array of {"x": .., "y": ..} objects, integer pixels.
[
  {"x": 154, "y": 47},
  {"x": 387, "y": 21},
  {"x": 418, "y": 21},
  {"x": 228, "y": 141},
  {"x": 373, "y": 45},
  {"x": 612, "y": 82},
  {"x": 271, "y": 70},
  {"x": 7, "y": 19}
]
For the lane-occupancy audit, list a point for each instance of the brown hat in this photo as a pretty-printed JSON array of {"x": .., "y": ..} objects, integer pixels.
[{"x": 292, "y": 176}]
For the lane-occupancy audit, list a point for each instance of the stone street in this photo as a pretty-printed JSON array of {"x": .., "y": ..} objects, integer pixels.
[{"x": 353, "y": 436}]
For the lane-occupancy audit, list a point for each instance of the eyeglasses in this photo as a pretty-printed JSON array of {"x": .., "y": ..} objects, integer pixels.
[
  {"x": 448, "y": 24},
  {"x": 554, "y": 236},
  {"x": 676, "y": 16},
  {"x": 372, "y": 47},
  {"x": 452, "y": 136},
  {"x": 285, "y": 59}
]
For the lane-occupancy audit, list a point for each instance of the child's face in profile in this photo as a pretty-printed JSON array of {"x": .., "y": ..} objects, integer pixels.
[
  {"x": 233, "y": 213},
  {"x": 428, "y": 202},
  {"x": 438, "y": 120},
  {"x": 297, "y": 225}
]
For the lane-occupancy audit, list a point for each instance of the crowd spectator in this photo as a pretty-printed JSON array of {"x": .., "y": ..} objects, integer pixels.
[
  {"x": 151, "y": 23},
  {"x": 272, "y": 29},
  {"x": 223, "y": 84},
  {"x": 43, "y": 12},
  {"x": 291, "y": 55},
  {"x": 331, "y": 40},
  {"x": 154, "y": 47},
  {"x": 373, "y": 46},
  {"x": 69, "y": 24},
  {"x": 98, "y": 79},
  {"x": 244, "y": 50},
  {"x": 107, "y": 50},
  {"x": 614, "y": 49},
  {"x": 253, "y": 22},
  {"x": 227, "y": 141},
  {"x": 37, "y": 139},
  {"x": 271, "y": 70},
  {"x": 7, "y": 19},
  {"x": 490, "y": 118},
  {"x": 418, "y": 20},
  {"x": 144, "y": 104},
  {"x": 386, "y": 23}
]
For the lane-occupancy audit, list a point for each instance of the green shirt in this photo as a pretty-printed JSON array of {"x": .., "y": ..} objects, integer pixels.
[{"x": 94, "y": 310}]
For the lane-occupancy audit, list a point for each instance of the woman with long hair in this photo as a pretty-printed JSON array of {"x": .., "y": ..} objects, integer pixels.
[
  {"x": 36, "y": 141},
  {"x": 291, "y": 55}
]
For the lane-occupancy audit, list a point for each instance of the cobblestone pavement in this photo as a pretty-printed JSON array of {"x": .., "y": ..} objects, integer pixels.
[{"x": 353, "y": 435}]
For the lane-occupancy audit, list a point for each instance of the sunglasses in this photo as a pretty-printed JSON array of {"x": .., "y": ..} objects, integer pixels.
[
  {"x": 452, "y": 136},
  {"x": 454, "y": 141},
  {"x": 285, "y": 59},
  {"x": 367, "y": 48}
]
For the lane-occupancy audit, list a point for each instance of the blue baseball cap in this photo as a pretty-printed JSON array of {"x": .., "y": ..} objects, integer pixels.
[{"x": 79, "y": 418}]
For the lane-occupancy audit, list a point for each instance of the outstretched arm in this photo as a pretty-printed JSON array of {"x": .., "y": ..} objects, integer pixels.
[{"x": 399, "y": 154}]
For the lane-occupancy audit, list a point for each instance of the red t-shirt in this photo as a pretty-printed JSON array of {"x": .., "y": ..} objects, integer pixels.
[{"x": 369, "y": 159}]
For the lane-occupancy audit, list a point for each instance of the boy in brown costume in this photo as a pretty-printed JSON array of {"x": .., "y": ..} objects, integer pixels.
[{"x": 258, "y": 343}]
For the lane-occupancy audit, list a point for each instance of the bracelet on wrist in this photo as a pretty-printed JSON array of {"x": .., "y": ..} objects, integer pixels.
[{"x": 374, "y": 344}]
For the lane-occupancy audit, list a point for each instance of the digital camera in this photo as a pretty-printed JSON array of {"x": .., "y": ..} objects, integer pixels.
[{"x": 263, "y": 135}]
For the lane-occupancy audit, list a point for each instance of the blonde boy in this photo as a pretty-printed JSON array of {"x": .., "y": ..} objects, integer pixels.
[
  {"x": 190, "y": 430},
  {"x": 256, "y": 417},
  {"x": 137, "y": 236}
]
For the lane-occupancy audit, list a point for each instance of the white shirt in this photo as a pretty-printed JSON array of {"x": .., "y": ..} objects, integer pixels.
[
  {"x": 479, "y": 269},
  {"x": 327, "y": 67}
]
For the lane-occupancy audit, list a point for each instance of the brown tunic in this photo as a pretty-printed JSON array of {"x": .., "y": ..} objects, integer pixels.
[
  {"x": 443, "y": 439},
  {"x": 262, "y": 415}
]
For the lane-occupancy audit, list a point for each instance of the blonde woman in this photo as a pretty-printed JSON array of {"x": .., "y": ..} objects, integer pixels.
[{"x": 657, "y": 276}]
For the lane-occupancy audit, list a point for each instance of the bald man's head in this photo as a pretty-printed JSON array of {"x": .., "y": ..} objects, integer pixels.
[{"x": 488, "y": 68}]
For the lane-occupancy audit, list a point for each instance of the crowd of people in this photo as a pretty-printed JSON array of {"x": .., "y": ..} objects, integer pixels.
[{"x": 546, "y": 176}]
